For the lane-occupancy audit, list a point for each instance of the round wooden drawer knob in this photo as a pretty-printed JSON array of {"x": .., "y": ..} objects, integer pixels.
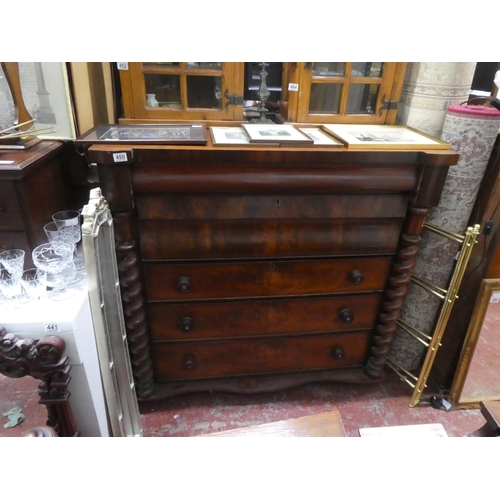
[
  {"x": 183, "y": 284},
  {"x": 189, "y": 362},
  {"x": 356, "y": 277},
  {"x": 186, "y": 324},
  {"x": 346, "y": 316},
  {"x": 338, "y": 352}
]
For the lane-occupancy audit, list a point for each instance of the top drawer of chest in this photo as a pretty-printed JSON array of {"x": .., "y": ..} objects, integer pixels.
[{"x": 261, "y": 226}]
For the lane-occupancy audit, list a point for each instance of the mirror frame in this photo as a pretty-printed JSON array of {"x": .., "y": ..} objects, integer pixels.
[{"x": 487, "y": 289}]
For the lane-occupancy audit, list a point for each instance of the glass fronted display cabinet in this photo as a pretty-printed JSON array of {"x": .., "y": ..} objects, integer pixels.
[
  {"x": 182, "y": 90},
  {"x": 316, "y": 92},
  {"x": 341, "y": 92}
]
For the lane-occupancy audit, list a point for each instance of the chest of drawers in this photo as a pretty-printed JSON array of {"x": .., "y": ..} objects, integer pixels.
[
  {"x": 259, "y": 268},
  {"x": 31, "y": 190}
]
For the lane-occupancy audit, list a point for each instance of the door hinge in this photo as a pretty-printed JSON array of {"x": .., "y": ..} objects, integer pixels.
[
  {"x": 387, "y": 105},
  {"x": 233, "y": 100}
]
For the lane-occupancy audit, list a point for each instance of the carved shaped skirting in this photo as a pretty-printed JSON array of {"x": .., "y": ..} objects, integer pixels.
[
  {"x": 42, "y": 359},
  {"x": 392, "y": 302}
]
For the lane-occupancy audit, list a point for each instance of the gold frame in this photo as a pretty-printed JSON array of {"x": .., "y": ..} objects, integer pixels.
[
  {"x": 411, "y": 139},
  {"x": 488, "y": 287}
]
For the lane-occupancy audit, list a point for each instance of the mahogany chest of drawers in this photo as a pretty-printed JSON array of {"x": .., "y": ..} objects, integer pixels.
[{"x": 259, "y": 268}]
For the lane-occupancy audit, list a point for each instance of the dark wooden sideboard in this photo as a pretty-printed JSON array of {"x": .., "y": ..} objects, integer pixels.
[
  {"x": 259, "y": 268},
  {"x": 32, "y": 188}
]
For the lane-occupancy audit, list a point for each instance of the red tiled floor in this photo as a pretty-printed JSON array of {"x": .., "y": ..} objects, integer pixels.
[
  {"x": 377, "y": 405},
  {"x": 372, "y": 405},
  {"x": 21, "y": 393}
]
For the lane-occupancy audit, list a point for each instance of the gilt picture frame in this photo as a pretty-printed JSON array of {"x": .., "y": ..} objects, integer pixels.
[
  {"x": 363, "y": 136},
  {"x": 478, "y": 376}
]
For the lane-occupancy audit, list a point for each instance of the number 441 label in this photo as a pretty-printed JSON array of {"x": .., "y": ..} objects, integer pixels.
[{"x": 51, "y": 327}]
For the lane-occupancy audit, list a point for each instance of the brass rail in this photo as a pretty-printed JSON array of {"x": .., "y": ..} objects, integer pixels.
[{"x": 448, "y": 296}]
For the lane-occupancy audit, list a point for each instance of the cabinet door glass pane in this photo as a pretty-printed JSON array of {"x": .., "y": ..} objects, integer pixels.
[
  {"x": 204, "y": 65},
  {"x": 371, "y": 69},
  {"x": 204, "y": 92},
  {"x": 325, "y": 97},
  {"x": 164, "y": 88},
  {"x": 362, "y": 98},
  {"x": 328, "y": 68}
]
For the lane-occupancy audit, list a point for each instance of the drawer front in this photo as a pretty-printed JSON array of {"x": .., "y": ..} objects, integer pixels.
[
  {"x": 262, "y": 318},
  {"x": 174, "y": 360},
  {"x": 281, "y": 206},
  {"x": 11, "y": 217},
  {"x": 264, "y": 279},
  {"x": 221, "y": 239}
]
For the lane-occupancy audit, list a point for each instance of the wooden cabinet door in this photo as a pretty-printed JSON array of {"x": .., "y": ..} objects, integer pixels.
[
  {"x": 183, "y": 91},
  {"x": 342, "y": 92}
]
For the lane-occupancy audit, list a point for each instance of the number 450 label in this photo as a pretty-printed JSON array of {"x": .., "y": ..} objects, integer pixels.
[{"x": 119, "y": 157}]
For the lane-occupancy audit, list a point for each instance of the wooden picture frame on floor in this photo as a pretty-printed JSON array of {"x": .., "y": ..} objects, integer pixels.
[{"x": 478, "y": 377}]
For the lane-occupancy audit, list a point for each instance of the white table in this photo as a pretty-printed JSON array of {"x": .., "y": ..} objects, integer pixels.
[{"x": 71, "y": 320}]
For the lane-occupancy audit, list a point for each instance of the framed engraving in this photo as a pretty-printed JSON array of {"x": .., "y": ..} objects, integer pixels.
[
  {"x": 281, "y": 134},
  {"x": 146, "y": 134},
  {"x": 382, "y": 137},
  {"x": 229, "y": 136}
]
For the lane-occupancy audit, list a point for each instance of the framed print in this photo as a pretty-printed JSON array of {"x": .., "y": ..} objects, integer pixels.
[
  {"x": 383, "y": 137},
  {"x": 46, "y": 93},
  {"x": 282, "y": 134},
  {"x": 228, "y": 136},
  {"x": 321, "y": 138},
  {"x": 146, "y": 134},
  {"x": 231, "y": 136}
]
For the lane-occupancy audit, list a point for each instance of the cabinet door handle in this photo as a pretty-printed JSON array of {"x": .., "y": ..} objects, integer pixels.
[
  {"x": 186, "y": 324},
  {"x": 346, "y": 316},
  {"x": 184, "y": 284},
  {"x": 189, "y": 362},
  {"x": 356, "y": 276},
  {"x": 337, "y": 352}
]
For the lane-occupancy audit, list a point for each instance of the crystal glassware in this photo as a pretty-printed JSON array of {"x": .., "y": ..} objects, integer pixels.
[
  {"x": 11, "y": 291},
  {"x": 56, "y": 259},
  {"x": 13, "y": 261},
  {"x": 68, "y": 225},
  {"x": 34, "y": 282},
  {"x": 66, "y": 236}
]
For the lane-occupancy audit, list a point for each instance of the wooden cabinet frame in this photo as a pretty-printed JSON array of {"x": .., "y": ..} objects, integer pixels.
[
  {"x": 295, "y": 102},
  {"x": 134, "y": 93}
]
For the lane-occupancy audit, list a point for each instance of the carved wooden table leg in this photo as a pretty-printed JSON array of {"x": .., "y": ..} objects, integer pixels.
[
  {"x": 392, "y": 303},
  {"x": 134, "y": 308},
  {"x": 42, "y": 359}
]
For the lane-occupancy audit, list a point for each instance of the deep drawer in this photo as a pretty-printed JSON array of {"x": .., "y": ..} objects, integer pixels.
[
  {"x": 188, "y": 321},
  {"x": 221, "y": 239},
  {"x": 279, "y": 206},
  {"x": 265, "y": 278},
  {"x": 10, "y": 212},
  {"x": 174, "y": 361}
]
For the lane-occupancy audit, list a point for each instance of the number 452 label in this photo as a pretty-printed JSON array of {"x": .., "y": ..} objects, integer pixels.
[{"x": 117, "y": 157}]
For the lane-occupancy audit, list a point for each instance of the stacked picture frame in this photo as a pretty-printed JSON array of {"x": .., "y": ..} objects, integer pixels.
[
  {"x": 329, "y": 135},
  {"x": 341, "y": 136}
]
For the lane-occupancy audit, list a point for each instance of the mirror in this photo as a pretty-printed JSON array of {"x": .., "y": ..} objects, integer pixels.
[{"x": 478, "y": 374}]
